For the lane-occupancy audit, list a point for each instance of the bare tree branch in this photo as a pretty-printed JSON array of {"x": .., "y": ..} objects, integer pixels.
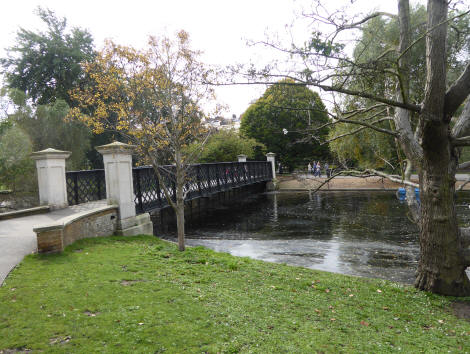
[
  {"x": 457, "y": 93},
  {"x": 370, "y": 125},
  {"x": 464, "y": 165},
  {"x": 364, "y": 174},
  {"x": 462, "y": 126},
  {"x": 364, "y": 20},
  {"x": 463, "y": 185},
  {"x": 343, "y": 135},
  {"x": 463, "y": 141},
  {"x": 409, "y": 106},
  {"x": 393, "y": 178}
]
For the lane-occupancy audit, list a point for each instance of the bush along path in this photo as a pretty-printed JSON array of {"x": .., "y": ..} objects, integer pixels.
[{"x": 139, "y": 294}]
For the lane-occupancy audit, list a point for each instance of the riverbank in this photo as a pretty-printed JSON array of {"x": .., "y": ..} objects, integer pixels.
[
  {"x": 308, "y": 182},
  {"x": 139, "y": 294}
]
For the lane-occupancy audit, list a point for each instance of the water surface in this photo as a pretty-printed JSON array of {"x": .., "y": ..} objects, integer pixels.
[{"x": 358, "y": 233}]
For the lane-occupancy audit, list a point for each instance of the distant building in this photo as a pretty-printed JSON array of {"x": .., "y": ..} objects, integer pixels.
[{"x": 221, "y": 123}]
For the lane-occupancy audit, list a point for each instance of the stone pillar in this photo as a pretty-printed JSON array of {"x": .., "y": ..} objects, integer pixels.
[
  {"x": 50, "y": 164},
  {"x": 117, "y": 159},
  {"x": 270, "y": 157},
  {"x": 242, "y": 158}
]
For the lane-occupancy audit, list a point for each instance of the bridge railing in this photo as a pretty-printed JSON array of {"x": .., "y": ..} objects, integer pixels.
[
  {"x": 202, "y": 181},
  {"x": 85, "y": 186}
]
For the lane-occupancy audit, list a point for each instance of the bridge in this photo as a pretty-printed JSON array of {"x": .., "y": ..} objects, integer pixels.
[
  {"x": 116, "y": 199},
  {"x": 203, "y": 180}
]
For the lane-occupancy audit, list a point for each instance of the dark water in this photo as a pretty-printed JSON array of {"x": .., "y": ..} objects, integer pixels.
[{"x": 359, "y": 233}]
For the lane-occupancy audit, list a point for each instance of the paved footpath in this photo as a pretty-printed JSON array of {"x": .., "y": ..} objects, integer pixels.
[{"x": 17, "y": 238}]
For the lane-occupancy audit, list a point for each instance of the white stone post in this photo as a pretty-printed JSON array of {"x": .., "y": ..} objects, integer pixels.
[
  {"x": 117, "y": 159},
  {"x": 270, "y": 157},
  {"x": 50, "y": 164},
  {"x": 242, "y": 158}
]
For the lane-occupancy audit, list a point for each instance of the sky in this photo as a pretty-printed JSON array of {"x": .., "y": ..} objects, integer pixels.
[{"x": 219, "y": 28}]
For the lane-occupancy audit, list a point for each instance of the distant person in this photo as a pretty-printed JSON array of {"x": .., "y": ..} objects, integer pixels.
[
  {"x": 327, "y": 170},
  {"x": 309, "y": 168},
  {"x": 314, "y": 168},
  {"x": 318, "y": 169}
]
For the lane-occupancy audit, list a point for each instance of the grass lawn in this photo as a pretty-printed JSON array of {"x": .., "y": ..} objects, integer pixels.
[{"x": 139, "y": 294}]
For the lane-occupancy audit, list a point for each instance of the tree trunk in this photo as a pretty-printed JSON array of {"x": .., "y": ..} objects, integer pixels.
[
  {"x": 179, "y": 200},
  {"x": 180, "y": 221},
  {"x": 441, "y": 266}
]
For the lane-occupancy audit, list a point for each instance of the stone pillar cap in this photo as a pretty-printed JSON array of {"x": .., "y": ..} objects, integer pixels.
[
  {"x": 50, "y": 154},
  {"x": 116, "y": 147},
  {"x": 270, "y": 154},
  {"x": 242, "y": 155}
]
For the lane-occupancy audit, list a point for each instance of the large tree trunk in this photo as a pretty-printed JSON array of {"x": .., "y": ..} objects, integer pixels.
[{"x": 441, "y": 266}]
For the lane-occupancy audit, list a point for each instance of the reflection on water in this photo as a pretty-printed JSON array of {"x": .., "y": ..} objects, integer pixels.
[{"x": 358, "y": 233}]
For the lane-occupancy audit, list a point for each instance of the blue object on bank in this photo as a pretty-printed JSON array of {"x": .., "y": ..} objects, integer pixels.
[{"x": 401, "y": 194}]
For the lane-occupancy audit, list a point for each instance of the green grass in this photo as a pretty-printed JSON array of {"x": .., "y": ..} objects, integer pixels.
[{"x": 139, "y": 294}]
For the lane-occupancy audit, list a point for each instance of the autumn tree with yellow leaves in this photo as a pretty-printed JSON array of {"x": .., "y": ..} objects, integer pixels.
[{"x": 152, "y": 97}]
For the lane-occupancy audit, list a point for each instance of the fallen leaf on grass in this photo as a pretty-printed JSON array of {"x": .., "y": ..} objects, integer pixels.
[
  {"x": 91, "y": 314},
  {"x": 379, "y": 291},
  {"x": 60, "y": 340},
  {"x": 364, "y": 323}
]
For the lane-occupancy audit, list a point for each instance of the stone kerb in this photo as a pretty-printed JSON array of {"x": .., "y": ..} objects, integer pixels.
[
  {"x": 50, "y": 164},
  {"x": 117, "y": 159}
]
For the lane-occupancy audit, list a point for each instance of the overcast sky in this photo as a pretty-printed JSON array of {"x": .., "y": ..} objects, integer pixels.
[{"x": 220, "y": 28}]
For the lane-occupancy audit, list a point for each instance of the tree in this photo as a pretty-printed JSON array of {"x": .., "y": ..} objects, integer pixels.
[
  {"x": 279, "y": 118},
  {"x": 430, "y": 128},
  {"x": 154, "y": 99},
  {"x": 17, "y": 170},
  {"x": 226, "y": 145},
  {"x": 369, "y": 148},
  {"x": 45, "y": 127},
  {"x": 46, "y": 65}
]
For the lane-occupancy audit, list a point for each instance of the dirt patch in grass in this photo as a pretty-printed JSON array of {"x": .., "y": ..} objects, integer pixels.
[
  {"x": 461, "y": 309},
  {"x": 131, "y": 282}
]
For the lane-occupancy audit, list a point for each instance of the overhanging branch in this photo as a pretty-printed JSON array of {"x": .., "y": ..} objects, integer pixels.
[
  {"x": 364, "y": 174},
  {"x": 457, "y": 93},
  {"x": 409, "y": 106}
]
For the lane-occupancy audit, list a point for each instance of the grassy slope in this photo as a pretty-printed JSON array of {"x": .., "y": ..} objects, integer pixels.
[{"x": 84, "y": 300}]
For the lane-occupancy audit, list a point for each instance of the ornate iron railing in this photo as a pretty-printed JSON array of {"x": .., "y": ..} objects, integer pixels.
[
  {"x": 85, "y": 186},
  {"x": 202, "y": 181}
]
